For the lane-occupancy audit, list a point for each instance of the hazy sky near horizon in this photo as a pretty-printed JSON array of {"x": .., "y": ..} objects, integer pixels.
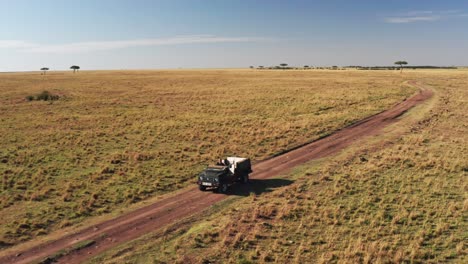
[{"x": 142, "y": 34}]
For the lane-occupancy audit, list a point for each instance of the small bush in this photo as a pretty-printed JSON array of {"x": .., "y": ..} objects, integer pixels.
[{"x": 44, "y": 96}]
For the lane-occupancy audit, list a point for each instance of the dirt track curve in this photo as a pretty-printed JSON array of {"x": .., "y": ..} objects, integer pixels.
[{"x": 129, "y": 226}]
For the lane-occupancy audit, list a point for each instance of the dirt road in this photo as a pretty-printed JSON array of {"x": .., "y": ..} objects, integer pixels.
[{"x": 129, "y": 226}]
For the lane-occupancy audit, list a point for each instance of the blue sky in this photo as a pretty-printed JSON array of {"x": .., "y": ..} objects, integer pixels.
[{"x": 141, "y": 34}]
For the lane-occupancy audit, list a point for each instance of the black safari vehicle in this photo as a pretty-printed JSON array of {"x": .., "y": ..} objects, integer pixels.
[{"x": 224, "y": 174}]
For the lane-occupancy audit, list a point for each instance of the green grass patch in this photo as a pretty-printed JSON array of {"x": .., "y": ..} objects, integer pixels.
[
  {"x": 403, "y": 202},
  {"x": 122, "y": 137}
]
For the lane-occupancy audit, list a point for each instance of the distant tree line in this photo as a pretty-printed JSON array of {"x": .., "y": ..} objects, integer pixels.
[
  {"x": 398, "y": 68},
  {"x": 285, "y": 66},
  {"x": 401, "y": 64}
]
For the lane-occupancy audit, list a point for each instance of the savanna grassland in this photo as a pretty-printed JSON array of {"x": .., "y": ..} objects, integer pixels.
[
  {"x": 118, "y": 137},
  {"x": 394, "y": 198}
]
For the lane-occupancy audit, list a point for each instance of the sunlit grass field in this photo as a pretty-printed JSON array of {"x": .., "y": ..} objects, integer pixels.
[
  {"x": 117, "y": 137},
  {"x": 396, "y": 198}
]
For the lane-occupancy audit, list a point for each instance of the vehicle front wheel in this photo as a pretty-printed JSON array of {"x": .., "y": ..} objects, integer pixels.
[
  {"x": 223, "y": 188},
  {"x": 202, "y": 188}
]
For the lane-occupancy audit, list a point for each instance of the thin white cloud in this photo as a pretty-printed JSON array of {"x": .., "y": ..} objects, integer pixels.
[
  {"x": 419, "y": 12},
  {"x": 120, "y": 44},
  {"x": 399, "y": 20},
  {"x": 423, "y": 16},
  {"x": 15, "y": 44},
  {"x": 451, "y": 12}
]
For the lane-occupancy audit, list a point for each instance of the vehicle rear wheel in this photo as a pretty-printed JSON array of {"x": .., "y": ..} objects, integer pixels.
[
  {"x": 202, "y": 188},
  {"x": 245, "y": 178}
]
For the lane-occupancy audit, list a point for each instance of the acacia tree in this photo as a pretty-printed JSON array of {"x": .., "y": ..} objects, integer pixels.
[
  {"x": 44, "y": 69},
  {"x": 283, "y": 65},
  {"x": 75, "y": 68},
  {"x": 401, "y": 63}
]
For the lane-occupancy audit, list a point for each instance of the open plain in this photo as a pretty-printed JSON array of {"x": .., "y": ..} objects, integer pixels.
[
  {"x": 396, "y": 197},
  {"x": 114, "y": 139}
]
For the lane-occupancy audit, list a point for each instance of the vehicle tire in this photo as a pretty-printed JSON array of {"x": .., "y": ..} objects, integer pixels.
[
  {"x": 245, "y": 178},
  {"x": 223, "y": 188},
  {"x": 202, "y": 188}
]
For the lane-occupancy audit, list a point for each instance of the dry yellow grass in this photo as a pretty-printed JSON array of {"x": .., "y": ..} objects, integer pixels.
[
  {"x": 403, "y": 203},
  {"x": 115, "y": 138}
]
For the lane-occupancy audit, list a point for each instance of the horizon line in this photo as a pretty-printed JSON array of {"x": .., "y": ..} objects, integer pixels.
[{"x": 233, "y": 68}]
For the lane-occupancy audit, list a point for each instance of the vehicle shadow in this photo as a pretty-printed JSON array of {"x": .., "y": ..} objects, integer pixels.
[{"x": 257, "y": 186}]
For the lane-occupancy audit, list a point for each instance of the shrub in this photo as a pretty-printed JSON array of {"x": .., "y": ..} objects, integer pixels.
[{"x": 44, "y": 96}]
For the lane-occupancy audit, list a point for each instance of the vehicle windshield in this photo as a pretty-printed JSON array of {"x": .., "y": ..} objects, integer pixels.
[{"x": 211, "y": 172}]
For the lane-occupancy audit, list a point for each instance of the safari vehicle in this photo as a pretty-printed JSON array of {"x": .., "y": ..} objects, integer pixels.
[{"x": 224, "y": 174}]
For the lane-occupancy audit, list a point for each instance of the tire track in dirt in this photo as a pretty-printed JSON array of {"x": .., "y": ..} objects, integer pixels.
[{"x": 191, "y": 201}]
